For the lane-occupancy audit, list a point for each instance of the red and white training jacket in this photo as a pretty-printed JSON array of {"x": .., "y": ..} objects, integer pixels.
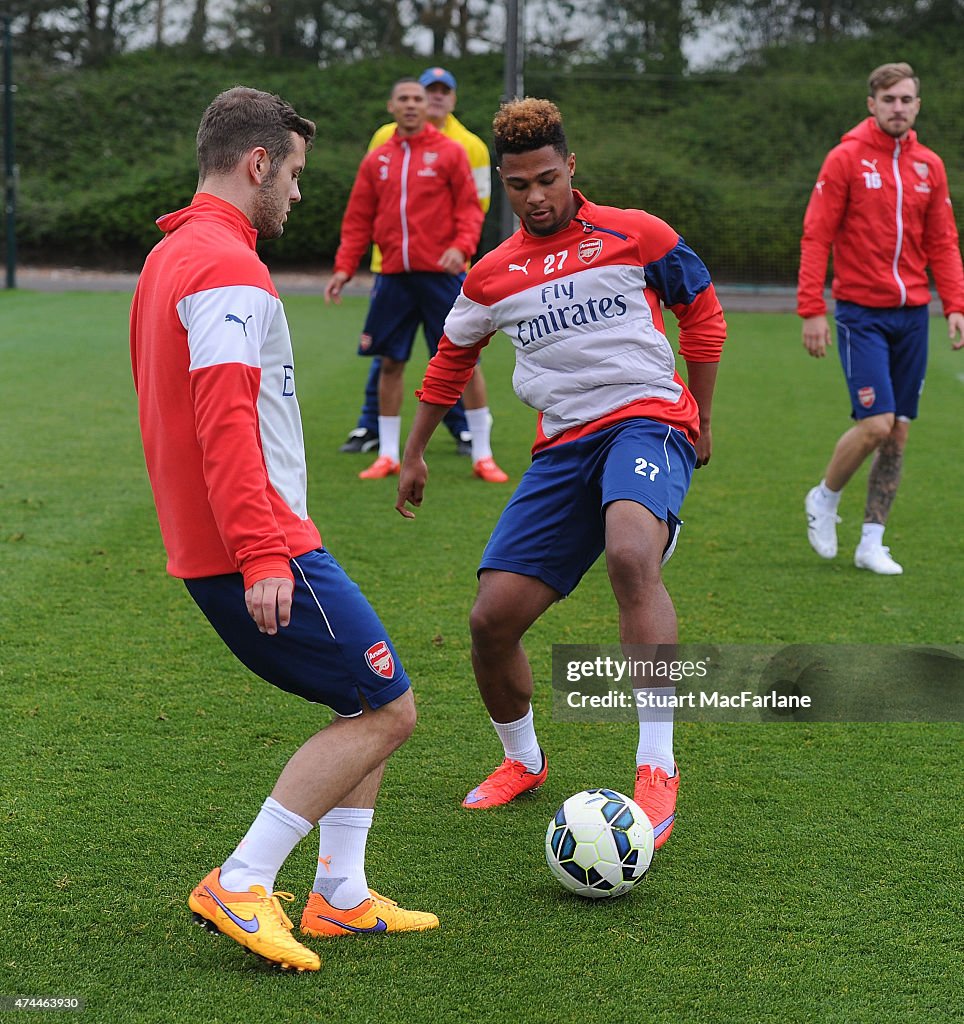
[
  {"x": 214, "y": 376},
  {"x": 414, "y": 197},
  {"x": 882, "y": 204},
  {"x": 582, "y": 308}
]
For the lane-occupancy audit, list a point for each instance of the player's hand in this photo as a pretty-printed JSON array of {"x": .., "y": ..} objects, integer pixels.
[
  {"x": 334, "y": 287},
  {"x": 955, "y": 329},
  {"x": 816, "y": 336},
  {"x": 452, "y": 261},
  {"x": 269, "y": 603},
  {"x": 411, "y": 485},
  {"x": 704, "y": 446}
]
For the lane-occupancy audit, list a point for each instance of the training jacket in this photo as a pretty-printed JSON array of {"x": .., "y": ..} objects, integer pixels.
[
  {"x": 882, "y": 204},
  {"x": 214, "y": 376},
  {"x": 414, "y": 196},
  {"x": 582, "y": 308},
  {"x": 475, "y": 149}
]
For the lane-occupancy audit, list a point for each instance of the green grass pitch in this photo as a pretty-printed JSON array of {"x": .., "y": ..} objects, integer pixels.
[{"x": 815, "y": 873}]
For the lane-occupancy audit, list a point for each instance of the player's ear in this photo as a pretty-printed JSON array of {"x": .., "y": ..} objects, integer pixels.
[
  {"x": 572, "y": 164},
  {"x": 258, "y": 164}
]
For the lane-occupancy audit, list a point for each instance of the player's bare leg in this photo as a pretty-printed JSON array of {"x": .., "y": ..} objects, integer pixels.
[
  {"x": 854, "y": 446},
  {"x": 330, "y": 765},
  {"x": 239, "y": 899},
  {"x": 635, "y": 541},
  {"x": 391, "y": 383},
  {"x": 341, "y": 902},
  {"x": 849, "y": 454},
  {"x": 885, "y": 473},
  {"x": 476, "y": 402},
  {"x": 882, "y": 485},
  {"x": 506, "y": 606}
]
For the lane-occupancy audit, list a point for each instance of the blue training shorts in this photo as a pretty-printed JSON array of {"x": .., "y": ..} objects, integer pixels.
[
  {"x": 398, "y": 304},
  {"x": 335, "y": 650},
  {"x": 884, "y": 357},
  {"x": 554, "y": 526}
]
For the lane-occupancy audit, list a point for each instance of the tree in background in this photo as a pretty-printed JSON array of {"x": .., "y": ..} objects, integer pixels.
[{"x": 633, "y": 35}]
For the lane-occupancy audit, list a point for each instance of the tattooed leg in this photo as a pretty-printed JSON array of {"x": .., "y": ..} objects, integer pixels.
[{"x": 885, "y": 475}]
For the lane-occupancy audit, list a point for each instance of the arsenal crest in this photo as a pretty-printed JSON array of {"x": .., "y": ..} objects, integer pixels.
[
  {"x": 866, "y": 397},
  {"x": 365, "y": 342},
  {"x": 429, "y": 158},
  {"x": 589, "y": 249},
  {"x": 922, "y": 169},
  {"x": 380, "y": 660}
]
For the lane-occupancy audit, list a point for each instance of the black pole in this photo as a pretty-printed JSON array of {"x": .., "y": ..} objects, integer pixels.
[
  {"x": 10, "y": 167},
  {"x": 512, "y": 88}
]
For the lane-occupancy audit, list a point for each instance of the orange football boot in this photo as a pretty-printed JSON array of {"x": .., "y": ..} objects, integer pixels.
[{"x": 656, "y": 793}]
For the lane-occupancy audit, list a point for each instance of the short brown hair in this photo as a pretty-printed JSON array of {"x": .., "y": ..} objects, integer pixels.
[
  {"x": 521, "y": 126},
  {"x": 890, "y": 74},
  {"x": 240, "y": 119}
]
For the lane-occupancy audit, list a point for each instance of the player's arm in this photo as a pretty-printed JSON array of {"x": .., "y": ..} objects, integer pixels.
[
  {"x": 682, "y": 282},
  {"x": 414, "y": 472},
  {"x": 357, "y": 226},
  {"x": 468, "y": 214},
  {"x": 225, "y": 377},
  {"x": 701, "y": 380},
  {"x": 942, "y": 246},
  {"x": 822, "y": 219}
]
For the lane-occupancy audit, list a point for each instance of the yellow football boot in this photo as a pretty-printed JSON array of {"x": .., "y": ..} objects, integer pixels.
[{"x": 254, "y": 919}]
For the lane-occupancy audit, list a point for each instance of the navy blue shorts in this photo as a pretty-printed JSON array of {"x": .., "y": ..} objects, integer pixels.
[
  {"x": 335, "y": 650},
  {"x": 554, "y": 526},
  {"x": 884, "y": 357},
  {"x": 398, "y": 304}
]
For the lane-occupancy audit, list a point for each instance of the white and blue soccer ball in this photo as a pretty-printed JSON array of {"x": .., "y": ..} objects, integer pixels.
[{"x": 599, "y": 844}]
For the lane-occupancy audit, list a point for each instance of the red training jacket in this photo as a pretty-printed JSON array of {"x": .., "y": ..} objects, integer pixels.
[
  {"x": 882, "y": 204},
  {"x": 583, "y": 309},
  {"x": 214, "y": 375},
  {"x": 414, "y": 197}
]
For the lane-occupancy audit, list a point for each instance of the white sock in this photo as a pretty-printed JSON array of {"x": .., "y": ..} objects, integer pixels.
[
  {"x": 389, "y": 436},
  {"x": 872, "y": 535},
  {"x": 655, "y": 745},
  {"x": 829, "y": 498},
  {"x": 273, "y": 834},
  {"x": 480, "y": 426},
  {"x": 340, "y": 877},
  {"x": 519, "y": 741}
]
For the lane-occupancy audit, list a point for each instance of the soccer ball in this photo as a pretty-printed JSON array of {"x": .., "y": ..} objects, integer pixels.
[{"x": 599, "y": 844}]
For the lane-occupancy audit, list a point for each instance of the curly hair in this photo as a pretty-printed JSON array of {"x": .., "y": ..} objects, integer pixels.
[{"x": 521, "y": 126}]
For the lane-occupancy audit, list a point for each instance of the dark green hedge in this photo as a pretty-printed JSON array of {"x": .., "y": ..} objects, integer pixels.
[{"x": 728, "y": 159}]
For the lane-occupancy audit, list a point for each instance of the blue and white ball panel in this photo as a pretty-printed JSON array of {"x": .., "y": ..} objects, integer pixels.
[
  {"x": 554, "y": 526},
  {"x": 335, "y": 650},
  {"x": 883, "y": 353}
]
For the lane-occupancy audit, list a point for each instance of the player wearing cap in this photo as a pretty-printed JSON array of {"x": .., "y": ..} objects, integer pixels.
[{"x": 471, "y": 429}]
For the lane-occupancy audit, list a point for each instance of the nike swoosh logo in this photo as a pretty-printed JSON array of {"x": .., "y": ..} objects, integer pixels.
[
  {"x": 247, "y": 926},
  {"x": 663, "y": 826},
  {"x": 378, "y": 926}
]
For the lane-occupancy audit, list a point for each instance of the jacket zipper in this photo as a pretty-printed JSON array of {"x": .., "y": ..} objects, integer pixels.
[
  {"x": 403, "y": 205},
  {"x": 900, "y": 225}
]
